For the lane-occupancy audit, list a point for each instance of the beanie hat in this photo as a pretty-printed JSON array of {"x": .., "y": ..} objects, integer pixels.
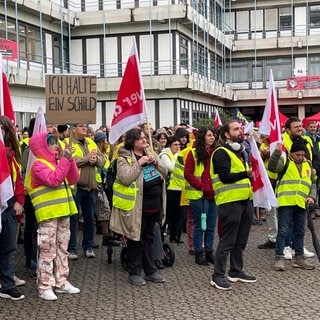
[
  {"x": 100, "y": 137},
  {"x": 298, "y": 146},
  {"x": 62, "y": 128},
  {"x": 181, "y": 132}
]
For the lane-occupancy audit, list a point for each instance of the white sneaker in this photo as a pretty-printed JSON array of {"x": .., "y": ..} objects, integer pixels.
[
  {"x": 48, "y": 295},
  {"x": 306, "y": 253},
  {"x": 67, "y": 288},
  {"x": 19, "y": 282},
  {"x": 89, "y": 254},
  {"x": 73, "y": 256},
  {"x": 287, "y": 253}
]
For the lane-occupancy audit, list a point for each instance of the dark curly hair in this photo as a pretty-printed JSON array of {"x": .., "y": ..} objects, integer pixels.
[
  {"x": 131, "y": 136},
  {"x": 10, "y": 137},
  {"x": 200, "y": 147}
]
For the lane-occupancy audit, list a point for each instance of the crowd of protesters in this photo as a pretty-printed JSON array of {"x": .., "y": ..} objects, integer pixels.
[{"x": 179, "y": 178}]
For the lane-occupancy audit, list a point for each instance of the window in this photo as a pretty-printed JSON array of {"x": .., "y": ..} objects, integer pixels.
[
  {"x": 183, "y": 44},
  {"x": 257, "y": 71},
  {"x": 314, "y": 16},
  {"x": 281, "y": 68},
  {"x": 200, "y": 60},
  {"x": 34, "y": 44},
  {"x": 285, "y": 18},
  {"x": 314, "y": 65},
  {"x": 239, "y": 71},
  {"x": 242, "y": 21},
  {"x": 58, "y": 60},
  {"x": 271, "y": 19}
]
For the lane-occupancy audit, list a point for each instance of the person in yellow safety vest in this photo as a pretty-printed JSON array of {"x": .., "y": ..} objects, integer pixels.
[
  {"x": 11, "y": 210},
  {"x": 200, "y": 193},
  {"x": 294, "y": 133},
  {"x": 102, "y": 208},
  {"x": 295, "y": 191},
  {"x": 168, "y": 158},
  {"x": 48, "y": 184},
  {"x": 271, "y": 214},
  {"x": 139, "y": 198},
  {"x": 233, "y": 193},
  {"x": 88, "y": 158}
]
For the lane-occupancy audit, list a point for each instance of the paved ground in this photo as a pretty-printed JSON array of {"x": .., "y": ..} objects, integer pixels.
[{"x": 187, "y": 294}]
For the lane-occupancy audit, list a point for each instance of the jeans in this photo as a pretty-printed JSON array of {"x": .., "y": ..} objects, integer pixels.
[
  {"x": 30, "y": 235},
  {"x": 199, "y": 236},
  {"x": 291, "y": 216},
  {"x": 8, "y": 246},
  {"x": 272, "y": 223},
  {"x": 86, "y": 200},
  {"x": 72, "y": 247}
]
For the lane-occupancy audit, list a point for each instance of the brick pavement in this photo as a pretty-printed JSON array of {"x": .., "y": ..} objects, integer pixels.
[{"x": 187, "y": 294}]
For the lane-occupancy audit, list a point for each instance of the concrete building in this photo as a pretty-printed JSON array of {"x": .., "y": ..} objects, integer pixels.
[{"x": 194, "y": 55}]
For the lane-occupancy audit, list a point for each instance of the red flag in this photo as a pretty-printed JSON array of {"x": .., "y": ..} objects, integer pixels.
[
  {"x": 263, "y": 194},
  {"x": 6, "y": 107},
  {"x": 270, "y": 123},
  {"x": 217, "y": 120},
  {"x": 130, "y": 109},
  {"x": 6, "y": 189}
]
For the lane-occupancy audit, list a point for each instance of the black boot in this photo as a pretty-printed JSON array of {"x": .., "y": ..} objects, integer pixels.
[
  {"x": 200, "y": 260},
  {"x": 209, "y": 257}
]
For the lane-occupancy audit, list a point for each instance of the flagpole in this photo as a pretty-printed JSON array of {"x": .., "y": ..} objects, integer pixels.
[{"x": 144, "y": 98}]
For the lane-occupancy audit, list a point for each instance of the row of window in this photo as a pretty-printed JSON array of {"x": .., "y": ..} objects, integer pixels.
[{"x": 273, "y": 19}]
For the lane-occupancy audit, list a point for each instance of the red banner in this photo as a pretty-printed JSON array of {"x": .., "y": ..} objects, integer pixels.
[
  {"x": 301, "y": 83},
  {"x": 9, "y": 49}
]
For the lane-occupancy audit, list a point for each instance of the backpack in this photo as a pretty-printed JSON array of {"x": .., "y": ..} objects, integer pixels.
[{"x": 110, "y": 179}]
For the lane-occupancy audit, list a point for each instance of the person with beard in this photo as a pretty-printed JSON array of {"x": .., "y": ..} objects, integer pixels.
[{"x": 233, "y": 194}]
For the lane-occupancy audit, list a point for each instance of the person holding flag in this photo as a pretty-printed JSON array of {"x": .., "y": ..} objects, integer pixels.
[
  {"x": 233, "y": 194},
  {"x": 10, "y": 163}
]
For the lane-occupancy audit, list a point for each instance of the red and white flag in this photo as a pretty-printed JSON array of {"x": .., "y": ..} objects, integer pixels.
[
  {"x": 130, "y": 109},
  {"x": 6, "y": 188},
  {"x": 263, "y": 194},
  {"x": 270, "y": 123},
  {"x": 217, "y": 121},
  {"x": 6, "y": 107}
]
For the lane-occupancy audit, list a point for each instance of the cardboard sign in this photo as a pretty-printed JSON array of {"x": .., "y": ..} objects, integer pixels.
[{"x": 71, "y": 99}]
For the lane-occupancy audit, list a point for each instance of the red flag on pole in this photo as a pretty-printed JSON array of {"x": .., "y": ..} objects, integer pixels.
[
  {"x": 6, "y": 107},
  {"x": 263, "y": 194},
  {"x": 270, "y": 123},
  {"x": 6, "y": 189},
  {"x": 130, "y": 109},
  {"x": 217, "y": 120}
]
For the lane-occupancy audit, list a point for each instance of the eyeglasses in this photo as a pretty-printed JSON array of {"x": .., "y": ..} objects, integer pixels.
[{"x": 176, "y": 144}]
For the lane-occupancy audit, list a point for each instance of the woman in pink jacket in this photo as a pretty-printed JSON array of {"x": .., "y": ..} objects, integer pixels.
[{"x": 49, "y": 182}]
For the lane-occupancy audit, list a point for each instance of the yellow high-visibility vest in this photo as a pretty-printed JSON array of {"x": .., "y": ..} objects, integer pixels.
[{"x": 230, "y": 192}]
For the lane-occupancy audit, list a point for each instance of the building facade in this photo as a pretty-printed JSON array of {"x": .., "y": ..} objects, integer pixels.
[{"x": 194, "y": 55}]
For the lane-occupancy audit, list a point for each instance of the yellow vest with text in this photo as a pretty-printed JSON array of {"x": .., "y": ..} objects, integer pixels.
[
  {"x": 294, "y": 187},
  {"x": 191, "y": 192},
  {"x": 230, "y": 192},
  {"x": 51, "y": 203},
  {"x": 124, "y": 197}
]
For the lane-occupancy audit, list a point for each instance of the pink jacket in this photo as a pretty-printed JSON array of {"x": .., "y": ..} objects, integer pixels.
[{"x": 44, "y": 176}]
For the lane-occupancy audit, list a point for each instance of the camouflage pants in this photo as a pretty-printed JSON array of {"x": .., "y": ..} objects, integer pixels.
[{"x": 53, "y": 268}]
